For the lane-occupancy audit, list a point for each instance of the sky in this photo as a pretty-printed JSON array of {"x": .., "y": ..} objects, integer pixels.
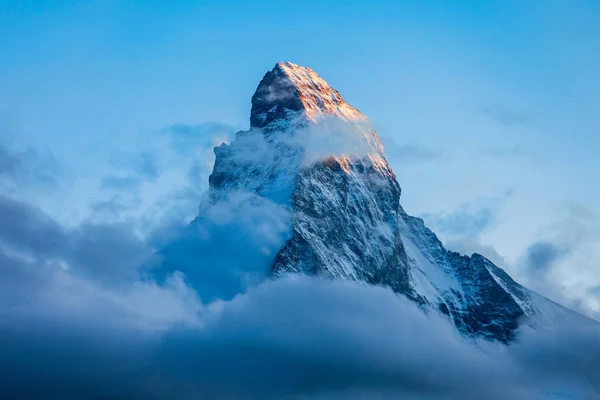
[{"x": 109, "y": 110}]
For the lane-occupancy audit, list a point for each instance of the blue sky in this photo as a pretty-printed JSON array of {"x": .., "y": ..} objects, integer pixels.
[{"x": 488, "y": 110}]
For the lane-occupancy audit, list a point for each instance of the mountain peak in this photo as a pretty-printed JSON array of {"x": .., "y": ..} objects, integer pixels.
[
  {"x": 335, "y": 207},
  {"x": 289, "y": 89}
]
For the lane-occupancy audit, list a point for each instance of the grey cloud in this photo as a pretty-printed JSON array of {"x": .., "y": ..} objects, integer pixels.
[
  {"x": 27, "y": 229},
  {"x": 563, "y": 263},
  {"x": 29, "y": 166},
  {"x": 293, "y": 339},
  {"x": 542, "y": 255},
  {"x": 297, "y": 338},
  {"x": 108, "y": 253},
  {"x": 22, "y": 280}
]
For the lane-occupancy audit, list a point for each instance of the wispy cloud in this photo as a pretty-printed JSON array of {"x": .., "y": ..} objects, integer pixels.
[
  {"x": 516, "y": 151},
  {"x": 145, "y": 163},
  {"x": 407, "y": 153},
  {"x": 462, "y": 229},
  {"x": 508, "y": 116},
  {"x": 28, "y": 167},
  {"x": 470, "y": 219}
]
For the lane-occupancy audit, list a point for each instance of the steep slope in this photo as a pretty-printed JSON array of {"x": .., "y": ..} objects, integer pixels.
[{"x": 310, "y": 151}]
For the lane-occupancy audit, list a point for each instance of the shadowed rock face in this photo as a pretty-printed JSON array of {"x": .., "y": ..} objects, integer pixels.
[
  {"x": 289, "y": 88},
  {"x": 488, "y": 310},
  {"x": 274, "y": 98},
  {"x": 347, "y": 220}
]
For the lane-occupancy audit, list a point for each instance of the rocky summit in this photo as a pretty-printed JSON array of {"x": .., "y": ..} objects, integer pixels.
[{"x": 311, "y": 152}]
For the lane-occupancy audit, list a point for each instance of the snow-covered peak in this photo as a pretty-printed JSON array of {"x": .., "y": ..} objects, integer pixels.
[{"x": 289, "y": 89}]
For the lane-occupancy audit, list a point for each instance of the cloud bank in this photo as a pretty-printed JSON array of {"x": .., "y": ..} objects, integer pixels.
[{"x": 93, "y": 310}]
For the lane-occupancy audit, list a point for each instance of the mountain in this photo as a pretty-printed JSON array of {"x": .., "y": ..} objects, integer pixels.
[{"x": 315, "y": 155}]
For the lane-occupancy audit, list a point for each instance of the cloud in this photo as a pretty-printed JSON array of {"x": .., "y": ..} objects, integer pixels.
[
  {"x": 120, "y": 182},
  {"x": 516, "y": 151},
  {"x": 230, "y": 246},
  {"x": 332, "y": 137},
  {"x": 292, "y": 338},
  {"x": 28, "y": 167},
  {"x": 409, "y": 153},
  {"x": 563, "y": 263},
  {"x": 117, "y": 205},
  {"x": 161, "y": 174},
  {"x": 108, "y": 253},
  {"x": 8, "y": 161},
  {"x": 507, "y": 116},
  {"x": 470, "y": 220},
  {"x": 462, "y": 229},
  {"x": 27, "y": 229},
  {"x": 542, "y": 255},
  {"x": 296, "y": 337},
  {"x": 145, "y": 164}
]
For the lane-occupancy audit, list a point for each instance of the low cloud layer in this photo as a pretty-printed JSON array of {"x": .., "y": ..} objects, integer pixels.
[
  {"x": 69, "y": 309},
  {"x": 297, "y": 337},
  {"x": 201, "y": 318}
]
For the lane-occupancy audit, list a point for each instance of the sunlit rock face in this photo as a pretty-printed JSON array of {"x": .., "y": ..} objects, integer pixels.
[
  {"x": 289, "y": 88},
  {"x": 309, "y": 151}
]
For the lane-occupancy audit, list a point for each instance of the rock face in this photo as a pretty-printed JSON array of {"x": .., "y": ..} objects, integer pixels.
[
  {"x": 310, "y": 151},
  {"x": 346, "y": 225},
  {"x": 289, "y": 89}
]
